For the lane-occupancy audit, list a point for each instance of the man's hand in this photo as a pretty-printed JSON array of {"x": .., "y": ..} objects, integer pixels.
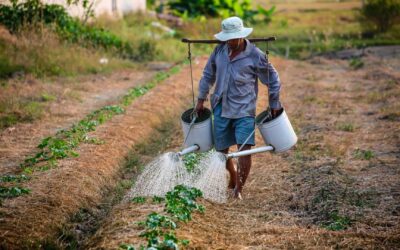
[
  {"x": 199, "y": 106},
  {"x": 275, "y": 112}
]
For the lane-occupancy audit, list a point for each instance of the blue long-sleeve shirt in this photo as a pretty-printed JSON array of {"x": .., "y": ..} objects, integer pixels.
[{"x": 236, "y": 81}]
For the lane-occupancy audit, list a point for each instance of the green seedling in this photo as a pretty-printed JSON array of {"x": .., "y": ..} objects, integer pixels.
[
  {"x": 14, "y": 178},
  {"x": 126, "y": 246},
  {"x": 157, "y": 199},
  {"x": 337, "y": 222},
  {"x": 364, "y": 154},
  {"x": 348, "y": 127},
  {"x": 11, "y": 192},
  {"x": 159, "y": 229},
  {"x": 356, "y": 63},
  {"x": 139, "y": 200}
]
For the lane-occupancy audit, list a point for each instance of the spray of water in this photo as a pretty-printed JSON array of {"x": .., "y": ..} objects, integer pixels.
[
  {"x": 168, "y": 170},
  {"x": 212, "y": 179},
  {"x": 160, "y": 176}
]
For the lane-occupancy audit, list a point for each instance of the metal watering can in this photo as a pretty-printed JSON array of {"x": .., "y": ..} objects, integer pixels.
[{"x": 278, "y": 133}]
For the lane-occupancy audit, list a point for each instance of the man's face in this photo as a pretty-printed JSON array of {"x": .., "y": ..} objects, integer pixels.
[{"x": 234, "y": 44}]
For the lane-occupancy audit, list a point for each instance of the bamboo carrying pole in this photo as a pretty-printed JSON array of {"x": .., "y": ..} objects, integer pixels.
[{"x": 253, "y": 40}]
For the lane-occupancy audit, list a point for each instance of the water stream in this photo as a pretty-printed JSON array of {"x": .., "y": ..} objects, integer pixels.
[{"x": 168, "y": 170}]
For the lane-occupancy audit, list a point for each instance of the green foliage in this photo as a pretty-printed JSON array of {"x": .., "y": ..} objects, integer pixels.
[
  {"x": 348, "y": 127},
  {"x": 383, "y": 14},
  {"x": 11, "y": 192},
  {"x": 159, "y": 229},
  {"x": 157, "y": 199},
  {"x": 13, "y": 178},
  {"x": 356, "y": 63},
  {"x": 180, "y": 202},
  {"x": 192, "y": 160},
  {"x": 337, "y": 222},
  {"x": 218, "y": 8},
  {"x": 126, "y": 247},
  {"x": 363, "y": 154},
  {"x": 139, "y": 200}
]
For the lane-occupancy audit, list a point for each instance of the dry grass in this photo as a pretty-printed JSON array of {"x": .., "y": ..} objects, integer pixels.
[
  {"x": 80, "y": 182},
  {"x": 41, "y": 53},
  {"x": 295, "y": 200}
]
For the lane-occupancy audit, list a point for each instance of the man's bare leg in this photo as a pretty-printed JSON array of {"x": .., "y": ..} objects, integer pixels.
[
  {"x": 243, "y": 170},
  {"x": 231, "y": 169}
]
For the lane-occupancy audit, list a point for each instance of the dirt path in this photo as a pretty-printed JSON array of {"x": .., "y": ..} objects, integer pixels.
[
  {"x": 34, "y": 220},
  {"x": 342, "y": 175},
  {"x": 74, "y": 103}
]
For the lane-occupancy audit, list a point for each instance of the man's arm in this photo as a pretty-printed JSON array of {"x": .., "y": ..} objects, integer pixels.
[
  {"x": 270, "y": 77},
  {"x": 206, "y": 82}
]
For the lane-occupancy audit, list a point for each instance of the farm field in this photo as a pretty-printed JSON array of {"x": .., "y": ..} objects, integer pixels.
[
  {"x": 79, "y": 142},
  {"x": 344, "y": 169}
]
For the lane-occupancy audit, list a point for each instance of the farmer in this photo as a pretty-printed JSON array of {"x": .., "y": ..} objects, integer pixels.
[{"x": 235, "y": 66}]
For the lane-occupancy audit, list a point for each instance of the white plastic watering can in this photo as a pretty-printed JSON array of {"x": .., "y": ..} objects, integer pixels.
[{"x": 278, "y": 134}]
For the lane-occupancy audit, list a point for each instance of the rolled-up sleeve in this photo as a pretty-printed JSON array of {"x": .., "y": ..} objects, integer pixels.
[
  {"x": 270, "y": 77},
  {"x": 208, "y": 78}
]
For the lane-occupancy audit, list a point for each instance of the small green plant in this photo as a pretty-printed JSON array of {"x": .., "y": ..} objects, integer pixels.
[
  {"x": 364, "y": 154},
  {"x": 48, "y": 97},
  {"x": 157, "y": 199},
  {"x": 139, "y": 200},
  {"x": 356, "y": 63},
  {"x": 12, "y": 192},
  {"x": 337, "y": 222},
  {"x": 348, "y": 127},
  {"x": 159, "y": 229},
  {"x": 126, "y": 247},
  {"x": 14, "y": 178}
]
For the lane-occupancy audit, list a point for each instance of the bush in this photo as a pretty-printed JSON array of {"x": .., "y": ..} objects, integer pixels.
[
  {"x": 382, "y": 14},
  {"x": 217, "y": 8}
]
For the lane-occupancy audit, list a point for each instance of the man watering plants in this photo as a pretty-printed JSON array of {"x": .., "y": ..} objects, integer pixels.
[{"x": 235, "y": 67}]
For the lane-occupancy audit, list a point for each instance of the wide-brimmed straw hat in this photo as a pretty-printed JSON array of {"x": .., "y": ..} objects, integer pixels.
[{"x": 232, "y": 28}]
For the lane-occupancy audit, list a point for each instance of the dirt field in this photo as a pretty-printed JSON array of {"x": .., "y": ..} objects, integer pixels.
[
  {"x": 343, "y": 174},
  {"x": 327, "y": 181}
]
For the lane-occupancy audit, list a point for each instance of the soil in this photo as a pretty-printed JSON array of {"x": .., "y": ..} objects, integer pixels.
[
  {"x": 342, "y": 175},
  {"x": 296, "y": 199}
]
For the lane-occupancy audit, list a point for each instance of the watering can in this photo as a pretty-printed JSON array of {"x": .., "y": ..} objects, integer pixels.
[{"x": 278, "y": 133}]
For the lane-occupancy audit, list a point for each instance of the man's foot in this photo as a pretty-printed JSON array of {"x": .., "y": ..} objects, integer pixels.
[{"x": 237, "y": 194}]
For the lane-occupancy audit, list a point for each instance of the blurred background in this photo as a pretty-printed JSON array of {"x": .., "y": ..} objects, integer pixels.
[{"x": 57, "y": 38}]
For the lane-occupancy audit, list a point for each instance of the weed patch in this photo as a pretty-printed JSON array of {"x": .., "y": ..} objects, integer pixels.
[
  {"x": 363, "y": 154},
  {"x": 348, "y": 127},
  {"x": 356, "y": 63},
  {"x": 329, "y": 198}
]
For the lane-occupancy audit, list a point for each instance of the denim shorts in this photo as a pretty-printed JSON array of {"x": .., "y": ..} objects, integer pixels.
[{"x": 228, "y": 132}]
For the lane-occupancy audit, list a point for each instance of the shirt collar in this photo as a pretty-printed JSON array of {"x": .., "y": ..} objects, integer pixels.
[{"x": 245, "y": 53}]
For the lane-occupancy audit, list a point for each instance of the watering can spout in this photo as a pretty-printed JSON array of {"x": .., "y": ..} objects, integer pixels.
[
  {"x": 188, "y": 150},
  {"x": 249, "y": 152}
]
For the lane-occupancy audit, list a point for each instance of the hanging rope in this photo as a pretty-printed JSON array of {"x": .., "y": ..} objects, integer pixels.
[
  {"x": 267, "y": 59},
  {"x": 267, "y": 116},
  {"x": 191, "y": 71}
]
